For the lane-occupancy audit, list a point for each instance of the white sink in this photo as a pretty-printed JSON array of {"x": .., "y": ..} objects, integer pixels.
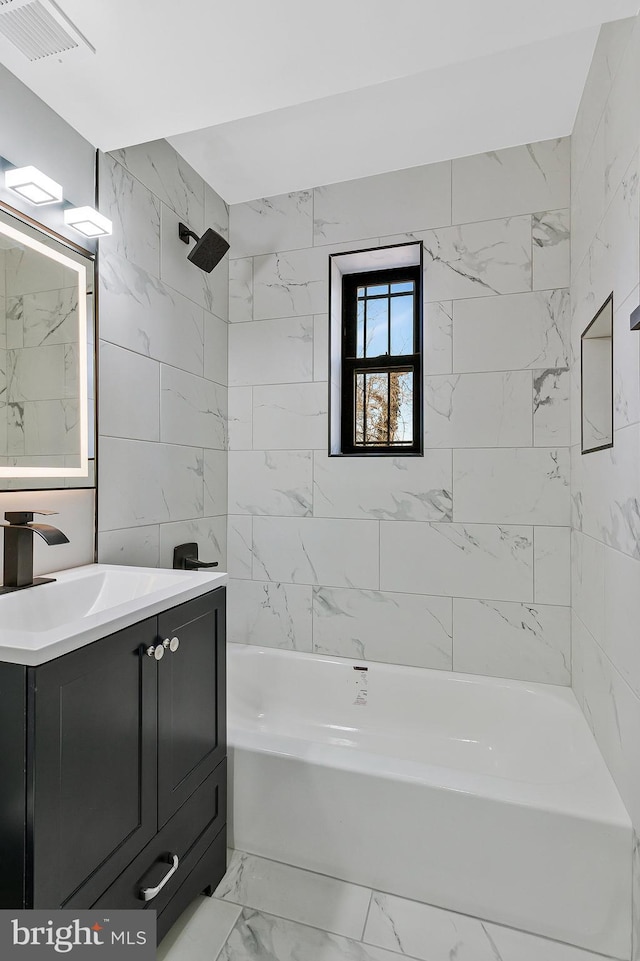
[{"x": 40, "y": 623}]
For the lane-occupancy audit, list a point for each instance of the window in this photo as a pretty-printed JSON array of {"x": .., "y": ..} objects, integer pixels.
[{"x": 376, "y": 352}]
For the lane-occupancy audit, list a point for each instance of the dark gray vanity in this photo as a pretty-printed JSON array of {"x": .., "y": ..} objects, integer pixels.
[{"x": 113, "y": 767}]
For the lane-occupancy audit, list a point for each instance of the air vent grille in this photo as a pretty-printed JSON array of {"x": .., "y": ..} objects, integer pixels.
[{"x": 34, "y": 31}]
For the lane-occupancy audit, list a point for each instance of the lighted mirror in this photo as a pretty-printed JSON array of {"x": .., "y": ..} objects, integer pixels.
[
  {"x": 596, "y": 352},
  {"x": 47, "y": 433}
]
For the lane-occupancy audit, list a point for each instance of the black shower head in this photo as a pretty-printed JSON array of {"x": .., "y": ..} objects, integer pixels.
[{"x": 209, "y": 249}]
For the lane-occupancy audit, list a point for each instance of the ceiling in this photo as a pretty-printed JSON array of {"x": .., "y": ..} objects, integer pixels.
[{"x": 264, "y": 98}]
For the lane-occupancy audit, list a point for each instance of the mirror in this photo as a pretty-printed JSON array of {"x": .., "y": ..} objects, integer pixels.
[
  {"x": 47, "y": 351},
  {"x": 596, "y": 362}
]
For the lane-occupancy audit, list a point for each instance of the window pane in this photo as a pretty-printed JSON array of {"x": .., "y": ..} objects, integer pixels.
[
  {"x": 361, "y": 292},
  {"x": 402, "y": 325},
  {"x": 401, "y": 407},
  {"x": 384, "y": 408},
  {"x": 402, "y": 288},
  {"x": 377, "y": 335},
  {"x": 377, "y": 290},
  {"x": 360, "y": 329}
]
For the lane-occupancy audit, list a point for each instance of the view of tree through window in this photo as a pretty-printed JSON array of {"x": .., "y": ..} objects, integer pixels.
[{"x": 381, "y": 361}]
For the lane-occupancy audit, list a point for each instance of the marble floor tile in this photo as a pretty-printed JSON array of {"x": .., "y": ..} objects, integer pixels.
[
  {"x": 200, "y": 932},
  {"x": 295, "y": 894},
  {"x": 261, "y": 937}
]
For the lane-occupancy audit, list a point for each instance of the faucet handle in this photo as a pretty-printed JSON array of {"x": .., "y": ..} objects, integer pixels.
[{"x": 24, "y": 517}]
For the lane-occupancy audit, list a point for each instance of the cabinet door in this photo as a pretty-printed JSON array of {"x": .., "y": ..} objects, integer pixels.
[
  {"x": 191, "y": 699},
  {"x": 93, "y": 745}
]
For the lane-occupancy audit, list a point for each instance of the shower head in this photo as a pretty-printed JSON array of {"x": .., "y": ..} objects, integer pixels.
[{"x": 209, "y": 249}]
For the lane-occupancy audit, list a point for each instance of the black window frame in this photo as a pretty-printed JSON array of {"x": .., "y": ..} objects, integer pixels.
[{"x": 351, "y": 365}]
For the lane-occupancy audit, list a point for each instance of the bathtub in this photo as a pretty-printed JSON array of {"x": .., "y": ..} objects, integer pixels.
[{"x": 481, "y": 795}]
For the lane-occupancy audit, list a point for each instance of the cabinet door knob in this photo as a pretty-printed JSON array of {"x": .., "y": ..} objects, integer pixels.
[
  {"x": 156, "y": 651},
  {"x": 148, "y": 894},
  {"x": 172, "y": 644}
]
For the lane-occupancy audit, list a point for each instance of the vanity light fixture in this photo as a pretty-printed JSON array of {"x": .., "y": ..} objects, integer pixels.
[
  {"x": 88, "y": 222},
  {"x": 33, "y": 185}
]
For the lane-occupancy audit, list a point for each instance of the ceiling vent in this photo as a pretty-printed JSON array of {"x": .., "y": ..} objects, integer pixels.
[{"x": 39, "y": 29}]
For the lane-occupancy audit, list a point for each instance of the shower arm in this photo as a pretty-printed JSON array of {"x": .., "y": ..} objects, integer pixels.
[{"x": 184, "y": 234}]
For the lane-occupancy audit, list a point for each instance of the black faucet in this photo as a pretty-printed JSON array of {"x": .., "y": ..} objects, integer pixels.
[
  {"x": 185, "y": 558},
  {"x": 18, "y": 548}
]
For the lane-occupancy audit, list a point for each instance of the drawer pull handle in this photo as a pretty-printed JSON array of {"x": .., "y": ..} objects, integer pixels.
[
  {"x": 148, "y": 894},
  {"x": 171, "y": 645},
  {"x": 156, "y": 651}
]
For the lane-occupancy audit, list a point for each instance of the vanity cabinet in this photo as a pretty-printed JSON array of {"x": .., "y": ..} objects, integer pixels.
[{"x": 113, "y": 770}]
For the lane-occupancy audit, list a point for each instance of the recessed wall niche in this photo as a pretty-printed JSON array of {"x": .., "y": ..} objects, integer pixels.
[{"x": 596, "y": 380}]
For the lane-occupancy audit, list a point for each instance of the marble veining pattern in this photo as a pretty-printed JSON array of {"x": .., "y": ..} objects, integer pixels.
[
  {"x": 271, "y": 223},
  {"x": 551, "y": 249},
  {"x": 268, "y": 911},
  {"x": 270, "y": 615}
]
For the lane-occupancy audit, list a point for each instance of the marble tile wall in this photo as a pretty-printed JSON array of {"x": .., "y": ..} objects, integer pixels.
[
  {"x": 455, "y": 560},
  {"x": 605, "y": 485},
  {"x": 163, "y": 363}
]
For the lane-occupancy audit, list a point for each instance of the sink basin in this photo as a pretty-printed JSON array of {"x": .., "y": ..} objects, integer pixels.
[{"x": 85, "y": 603}]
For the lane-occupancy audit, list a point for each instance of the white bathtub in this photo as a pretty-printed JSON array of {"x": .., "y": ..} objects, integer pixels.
[{"x": 481, "y": 795}]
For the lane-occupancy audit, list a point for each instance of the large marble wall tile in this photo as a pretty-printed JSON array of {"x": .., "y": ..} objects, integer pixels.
[
  {"x": 376, "y": 626},
  {"x": 269, "y": 615},
  {"x": 552, "y": 565},
  {"x": 135, "y": 213},
  {"x": 120, "y": 416},
  {"x": 264, "y": 937},
  {"x": 384, "y": 488},
  {"x": 139, "y": 312},
  {"x": 270, "y": 482},
  {"x": 271, "y": 352},
  {"x": 321, "y": 347},
  {"x": 517, "y": 180},
  {"x": 240, "y": 418},
  {"x": 215, "y": 482},
  {"x": 479, "y": 259},
  {"x": 216, "y": 212},
  {"x": 49, "y": 317},
  {"x": 621, "y": 120},
  {"x": 426, "y": 932},
  {"x": 192, "y": 410},
  {"x": 512, "y": 945},
  {"x": 240, "y": 546},
  {"x": 28, "y": 272},
  {"x": 241, "y": 290},
  {"x": 587, "y": 582},
  {"x": 626, "y": 364},
  {"x": 180, "y": 274},
  {"x": 216, "y": 349},
  {"x": 291, "y": 416},
  {"x": 36, "y": 373},
  {"x": 513, "y": 486},
  {"x": 272, "y": 223},
  {"x": 479, "y": 410},
  {"x": 438, "y": 338},
  {"x": 133, "y": 546},
  {"x": 146, "y": 483},
  {"x": 471, "y": 560},
  {"x": 622, "y": 614},
  {"x": 163, "y": 171},
  {"x": 615, "y": 250},
  {"x": 551, "y": 407},
  {"x": 588, "y": 202},
  {"x": 613, "y": 39},
  {"x": 335, "y": 553},
  {"x": 419, "y": 197},
  {"x": 551, "y": 250},
  {"x": 292, "y": 284},
  {"x": 522, "y": 641},
  {"x": 610, "y": 494},
  {"x": 295, "y": 894},
  {"x": 210, "y": 533},
  {"x": 511, "y": 332},
  {"x": 48, "y": 427}
]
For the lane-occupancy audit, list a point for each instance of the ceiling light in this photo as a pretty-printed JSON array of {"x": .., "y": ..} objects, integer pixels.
[
  {"x": 88, "y": 222},
  {"x": 33, "y": 185}
]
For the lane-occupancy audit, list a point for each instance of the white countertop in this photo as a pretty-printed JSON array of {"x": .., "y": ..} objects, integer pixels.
[{"x": 38, "y": 624}]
